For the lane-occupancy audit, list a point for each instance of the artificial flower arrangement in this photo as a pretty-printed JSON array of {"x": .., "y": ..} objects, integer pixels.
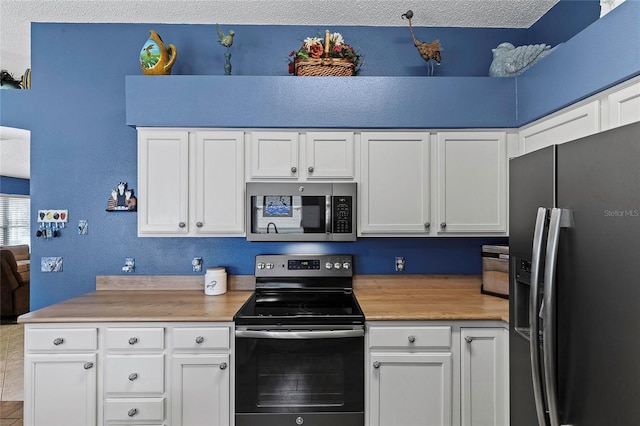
[{"x": 331, "y": 56}]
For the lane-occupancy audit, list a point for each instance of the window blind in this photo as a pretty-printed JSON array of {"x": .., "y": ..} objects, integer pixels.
[{"x": 15, "y": 219}]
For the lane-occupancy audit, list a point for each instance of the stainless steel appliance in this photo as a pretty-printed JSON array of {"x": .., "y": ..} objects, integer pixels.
[
  {"x": 300, "y": 344},
  {"x": 311, "y": 211},
  {"x": 575, "y": 246}
]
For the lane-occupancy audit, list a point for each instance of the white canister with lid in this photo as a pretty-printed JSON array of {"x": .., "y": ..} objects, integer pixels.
[{"x": 215, "y": 281}]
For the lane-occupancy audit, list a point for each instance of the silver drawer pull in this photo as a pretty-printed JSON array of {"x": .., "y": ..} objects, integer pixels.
[
  {"x": 133, "y": 376},
  {"x": 199, "y": 339},
  {"x": 88, "y": 365},
  {"x": 468, "y": 339},
  {"x": 132, "y": 412},
  {"x": 133, "y": 340},
  {"x": 411, "y": 338},
  {"x": 223, "y": 366},
  {"x": 376, "y": 364},
  {"x": 58, "y": 341}
]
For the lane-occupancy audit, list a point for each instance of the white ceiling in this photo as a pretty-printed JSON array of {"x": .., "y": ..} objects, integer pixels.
[{"x": 17, "y": 15}]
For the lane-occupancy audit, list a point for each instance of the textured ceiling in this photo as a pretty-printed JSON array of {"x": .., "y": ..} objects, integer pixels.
[{"x": 16, "y": 16}]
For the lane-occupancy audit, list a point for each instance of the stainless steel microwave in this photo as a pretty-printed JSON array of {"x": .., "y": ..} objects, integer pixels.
[{"x": 310, "y": 211}]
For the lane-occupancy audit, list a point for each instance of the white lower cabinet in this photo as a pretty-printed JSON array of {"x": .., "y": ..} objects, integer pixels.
[
  {"x": 483, "y": 376},
  {"x": 60, "y": 373},
  {"x": 437, "y": 373},
  {"x": 117, "y": 374},
  {"x": 201, "y": 376}
]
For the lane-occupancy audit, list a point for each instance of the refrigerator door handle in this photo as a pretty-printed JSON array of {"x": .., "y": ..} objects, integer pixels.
[
  {"x": 534, "y": 305},
  {"x": 560, "y": 218}
]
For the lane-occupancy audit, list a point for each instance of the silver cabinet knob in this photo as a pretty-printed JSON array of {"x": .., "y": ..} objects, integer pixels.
[
  {"x": 468, "y": 339},
  {"x": 199, "y": 339},
  {"x": 427, "y": 225},
  {"x": 133, "y": 376},
  {"x": 88, "y": 365},
  {"x": 294, "y": 169},
  {"x": 376, "y": 364},
  {"x": 133, "y": 340},
  {"x": 310, "y": 169},
  {"x": 443, "y": 225},
  {"x": 223, "y": 366},
  {"x": 199, "y": 224},
  {"x": 411, "y": 338},
  {"x": 182, "y": 224},
  {"x": 58, "y": 341},
  {"x": 132, "y": 412}
]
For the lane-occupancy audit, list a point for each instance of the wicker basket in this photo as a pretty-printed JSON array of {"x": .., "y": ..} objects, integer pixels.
[{"x": 323, "y": 67}]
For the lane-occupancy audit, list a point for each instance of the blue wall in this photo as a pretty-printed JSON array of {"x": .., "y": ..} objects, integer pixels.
[
  {"x": 11, "y": 185},
  {"x": 81, "y": 146}
]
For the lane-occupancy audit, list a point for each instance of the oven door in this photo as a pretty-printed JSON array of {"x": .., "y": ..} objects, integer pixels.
[{"x": 289, "y": 377}]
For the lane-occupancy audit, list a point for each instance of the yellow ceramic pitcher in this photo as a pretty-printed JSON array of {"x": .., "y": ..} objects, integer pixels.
[{"x": 155, "y": 58}]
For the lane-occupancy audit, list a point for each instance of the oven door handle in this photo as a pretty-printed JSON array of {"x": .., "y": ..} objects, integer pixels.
[{"x": 322, "y": 334}]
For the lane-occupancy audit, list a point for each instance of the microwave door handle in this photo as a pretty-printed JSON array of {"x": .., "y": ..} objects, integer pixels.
[
  {"x": 534, "y": 303},
  {"x": 327, "y": 214}
]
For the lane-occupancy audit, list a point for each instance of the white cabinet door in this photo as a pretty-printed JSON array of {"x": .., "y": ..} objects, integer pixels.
[
  {"x": 472, "y": 182},
  {"x": 569, "y": 124},
  {"x": 330, "y": 155},
  {"x": 163, "y": 182},
  {"x": 273, "y": 155},
  {"x": 410, "y": 389},
  {"x": 190, "y": 183},
  {"x": 200, "y": 390},
  {"x": 624, "y": 105},
  {"x": 60, "y": 389},
  {"x": 484, "y": 377},
  {"x": 395, "y": 194},
  {"x": 218, "y": 184}
]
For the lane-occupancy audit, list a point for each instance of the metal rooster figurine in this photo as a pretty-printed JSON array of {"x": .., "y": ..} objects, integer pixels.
[{"x": 430, "y": 52}]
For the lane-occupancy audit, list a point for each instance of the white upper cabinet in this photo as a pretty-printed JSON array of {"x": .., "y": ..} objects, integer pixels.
[
  {"x": 291, "y": 155},
  {"x": 163, "y": 182},
  {"x": 471, "y": 170},
  {"x": 395, "y": 184},
  {"x": 570, "y": 124},
  {"x": 191, "y": 183},
  {"x": 273, "y": 155},
  {"x": 624, "y": 105}
]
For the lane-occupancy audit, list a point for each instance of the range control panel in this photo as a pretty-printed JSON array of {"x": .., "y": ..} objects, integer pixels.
[{"x": 304, "y": 265}]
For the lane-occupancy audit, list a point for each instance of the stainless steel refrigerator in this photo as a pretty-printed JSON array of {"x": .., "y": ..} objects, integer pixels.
[{"x": 574, "y": 218}]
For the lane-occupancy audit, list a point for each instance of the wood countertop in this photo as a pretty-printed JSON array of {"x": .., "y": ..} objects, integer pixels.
[
  {"x": 382, "y": 298},
  {"x": 428, "y": 298}
]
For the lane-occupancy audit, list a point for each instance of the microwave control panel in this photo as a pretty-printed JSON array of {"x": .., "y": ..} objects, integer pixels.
[{"x": 342, "y": 214}]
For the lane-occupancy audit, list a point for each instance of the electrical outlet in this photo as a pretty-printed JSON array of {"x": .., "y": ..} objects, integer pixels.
[
  {"x": 399, "y": 264},
  {"x": 129, "y": 265},
  {"x": 196, "y": 264}
]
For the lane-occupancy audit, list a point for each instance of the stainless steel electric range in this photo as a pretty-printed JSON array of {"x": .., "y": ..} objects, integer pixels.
[{"x": 300, "y": 344}]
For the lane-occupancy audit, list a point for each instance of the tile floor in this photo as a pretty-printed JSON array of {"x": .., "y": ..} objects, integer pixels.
[
  {"x": 11, "y": 362},
  {"x": 11, "y": 374}
]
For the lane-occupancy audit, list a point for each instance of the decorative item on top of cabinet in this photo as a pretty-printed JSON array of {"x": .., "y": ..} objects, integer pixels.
[
  {"x": 511, "y": 61},
  {"x": 155, "y": 58},
  {"x": 226, "y": 40},
  {"x": 430, "y": 52},
  {"x": 330, "y": 56}
]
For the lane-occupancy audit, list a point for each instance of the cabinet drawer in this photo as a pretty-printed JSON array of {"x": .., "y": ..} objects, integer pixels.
[
  {"x": 134, "y": 374},
  {"x": 201, "y": 338},
  {"x": 61, "y": 339},
  {"x": 134, "y": 409},
  {"x": 410, "y": 337},
  {"x": 135, "y": 338}
]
